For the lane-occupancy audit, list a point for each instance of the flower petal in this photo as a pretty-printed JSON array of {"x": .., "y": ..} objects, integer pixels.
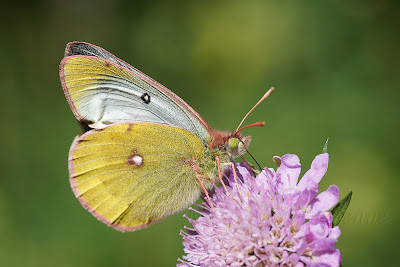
[
  {"x": 304, "y": 198},
  {"x": 322, "y": 244},
  {"x": 318, "y": 168},
  {"x": 329, "y": 258},
  {"x": 289, "y": 171},
  {"x": 335, "y": 232},
  {"x": 324, "y": 201},
  {"x": 317, "y": 228},
  {"x": 307, "y": 183}
]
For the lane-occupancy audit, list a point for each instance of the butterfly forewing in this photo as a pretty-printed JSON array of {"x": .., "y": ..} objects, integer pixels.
[
  {"x": 132, "y": 174},
  {"x": 102, "y": 90}
]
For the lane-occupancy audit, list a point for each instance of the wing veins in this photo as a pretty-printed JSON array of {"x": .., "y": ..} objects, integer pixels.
[
  {"x": 129, "y": 191},
  {"x": 83, "y": 146}
]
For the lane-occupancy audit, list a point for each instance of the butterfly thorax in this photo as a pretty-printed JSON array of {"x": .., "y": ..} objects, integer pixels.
[{"x": 226, "y": 146}]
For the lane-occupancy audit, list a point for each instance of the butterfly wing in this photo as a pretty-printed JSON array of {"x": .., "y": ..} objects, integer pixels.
[
  {"x": 130, "y": 175},
  {"x": 102, "y": 90}
]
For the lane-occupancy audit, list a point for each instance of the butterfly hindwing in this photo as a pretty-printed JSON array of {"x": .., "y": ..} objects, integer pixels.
[{"x": 130, "y": 175}]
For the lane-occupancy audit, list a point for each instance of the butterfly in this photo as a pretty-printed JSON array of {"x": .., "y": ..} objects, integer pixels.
[{"x": 145, "y": 153}]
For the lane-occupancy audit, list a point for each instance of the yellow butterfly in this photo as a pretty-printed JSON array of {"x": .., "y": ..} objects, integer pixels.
[{"x": 146, "y": 153}]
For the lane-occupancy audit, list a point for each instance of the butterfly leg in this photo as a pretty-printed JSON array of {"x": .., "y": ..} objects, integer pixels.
[
  {"x": 220, "y": 178},
  {"x": 236, "y": 180},
  {"x": 199, "y": 177}
]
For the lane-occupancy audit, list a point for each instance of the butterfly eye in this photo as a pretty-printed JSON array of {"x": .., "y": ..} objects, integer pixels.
[{"x": 233, "y": 143}]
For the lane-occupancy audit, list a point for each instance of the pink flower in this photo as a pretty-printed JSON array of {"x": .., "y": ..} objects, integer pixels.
[{"x": 275, "y": 220}]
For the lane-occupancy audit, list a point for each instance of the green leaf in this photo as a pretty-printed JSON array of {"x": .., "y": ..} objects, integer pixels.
[
  {"x": 340, "y": 208},
  {"x": 325, "y": 148}
]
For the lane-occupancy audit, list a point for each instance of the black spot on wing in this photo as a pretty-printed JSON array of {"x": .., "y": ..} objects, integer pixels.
[{"x": 146, "y": 98}]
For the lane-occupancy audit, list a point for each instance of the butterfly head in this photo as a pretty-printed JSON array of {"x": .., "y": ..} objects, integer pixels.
[
  {"x": 235, "y": 144},
  {"x": 238, "y": 145}
]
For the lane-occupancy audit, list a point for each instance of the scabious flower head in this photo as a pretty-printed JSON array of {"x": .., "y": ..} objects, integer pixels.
[{"x": 273, "y": 221}]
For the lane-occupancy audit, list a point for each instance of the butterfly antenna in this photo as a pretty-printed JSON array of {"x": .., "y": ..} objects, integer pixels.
[
  {"x": 238, "y": 129},
  {"x": 249, "y": 165},
  {"x": 254, "y": 159},
  {"x": 260, "y": 123}
]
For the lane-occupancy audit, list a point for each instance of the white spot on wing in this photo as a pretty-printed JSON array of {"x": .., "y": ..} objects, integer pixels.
[{"x": 137, "y": 160}]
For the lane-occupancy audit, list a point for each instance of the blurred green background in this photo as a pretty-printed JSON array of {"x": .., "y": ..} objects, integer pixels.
[{"x": 335, "y": 67}]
